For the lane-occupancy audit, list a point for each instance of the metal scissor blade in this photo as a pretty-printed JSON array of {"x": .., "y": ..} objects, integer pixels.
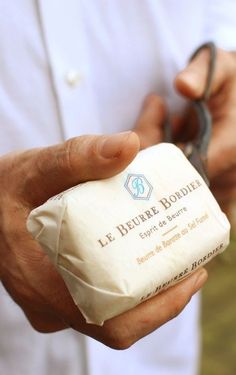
[{"x": 195, "y": 158}]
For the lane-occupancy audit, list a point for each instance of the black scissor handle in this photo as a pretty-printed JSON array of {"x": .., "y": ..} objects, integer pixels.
[{"x": 212, "y": 62}]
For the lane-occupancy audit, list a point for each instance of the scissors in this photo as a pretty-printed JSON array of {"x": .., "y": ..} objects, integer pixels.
[{"x": 196, "y": 150}]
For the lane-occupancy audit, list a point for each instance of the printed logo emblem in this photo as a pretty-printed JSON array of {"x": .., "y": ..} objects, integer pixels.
[{"x": 138, "y": 186}]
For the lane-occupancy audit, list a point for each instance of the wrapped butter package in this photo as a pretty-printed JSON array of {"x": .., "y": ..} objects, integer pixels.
[{"x": 119, "y": 241}]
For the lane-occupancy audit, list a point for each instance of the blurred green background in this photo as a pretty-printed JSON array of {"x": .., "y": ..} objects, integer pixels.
[{"x": 219, "y": 315}]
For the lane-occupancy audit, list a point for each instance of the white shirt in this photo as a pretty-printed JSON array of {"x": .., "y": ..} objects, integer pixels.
[{"x": 85, "y": 66}]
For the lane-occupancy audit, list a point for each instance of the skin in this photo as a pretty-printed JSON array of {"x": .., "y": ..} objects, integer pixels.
[
  {"x": 31, "y": 177},
  {"x": 190, "y": 83},
  {"x": 222, "y": 104},
  {"x": 27, "y": 180}
]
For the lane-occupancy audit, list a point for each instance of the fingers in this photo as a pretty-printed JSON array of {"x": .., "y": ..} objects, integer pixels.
[
  {"x": 124, "y": 330},
  {"x": 222, "y": 150},
  {"x": 149, "y": 125},
  {"x": 191, "y": 83},
  {"x": 192, "y": 80},
  {"x": 224, "y": 187},
  {"x": 44, "y": 322},
  {"x": 51, "y": 170},
  {"x": 86, "y": 158}
]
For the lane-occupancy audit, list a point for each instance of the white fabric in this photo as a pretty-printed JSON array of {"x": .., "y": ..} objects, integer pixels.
[{"x": 117, "y": 52}]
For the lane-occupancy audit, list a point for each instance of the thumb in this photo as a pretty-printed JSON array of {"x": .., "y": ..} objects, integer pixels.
[
  {"x": 149, "y": 125},
  {"x": 51, "y": 170},
  {"x": 192, "y": 80}
]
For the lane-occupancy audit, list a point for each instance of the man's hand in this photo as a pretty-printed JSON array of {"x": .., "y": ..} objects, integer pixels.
[
  {"x": 30, "y": 178},
  {"x": 222, "y": 104}
]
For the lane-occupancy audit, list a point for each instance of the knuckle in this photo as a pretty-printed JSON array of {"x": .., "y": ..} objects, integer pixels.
[
  {"x": 76, "y": 150},
  {"x": 42, "y": 327},
  {"x": 43, "y": 323},
  {"x": 39, "y": 326},
  {"x": 119, "y": 343},
  {"x": 118, "y": 339},
  {"x": 65, "y": 158},
  {"x": 178, "y": 306}
]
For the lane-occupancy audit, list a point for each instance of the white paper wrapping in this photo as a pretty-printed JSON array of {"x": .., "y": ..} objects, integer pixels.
[{"x": 119, "y": 241}]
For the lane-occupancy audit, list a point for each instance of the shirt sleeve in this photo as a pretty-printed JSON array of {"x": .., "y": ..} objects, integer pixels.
[{"x": 221, "y": 23}]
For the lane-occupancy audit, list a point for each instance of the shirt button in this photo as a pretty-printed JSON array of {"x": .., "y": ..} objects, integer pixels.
[{"x": 73, "y": 78}]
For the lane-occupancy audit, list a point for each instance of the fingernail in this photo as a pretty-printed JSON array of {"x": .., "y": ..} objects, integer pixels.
[
  {"x": 201, "y": 278},
  {"x": 111, "y": 146}
]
